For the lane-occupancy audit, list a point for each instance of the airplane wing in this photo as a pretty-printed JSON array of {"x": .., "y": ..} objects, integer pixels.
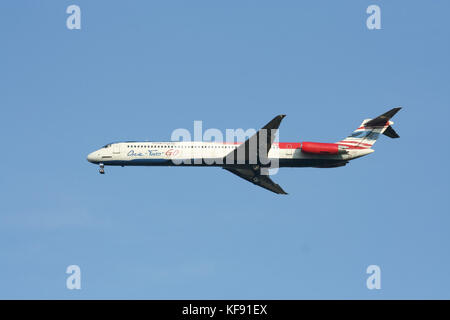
[
  {"x": 254, "y": 177},
  {"x": 249, "y": 152}
]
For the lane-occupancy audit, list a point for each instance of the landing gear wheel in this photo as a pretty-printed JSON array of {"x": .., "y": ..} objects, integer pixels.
[{"x": 102, "y": 168}]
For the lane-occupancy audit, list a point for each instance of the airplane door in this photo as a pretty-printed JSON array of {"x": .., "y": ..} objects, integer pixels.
[
  {"x": 289, "y": 150},
  {"x": 116, "y": 148}
]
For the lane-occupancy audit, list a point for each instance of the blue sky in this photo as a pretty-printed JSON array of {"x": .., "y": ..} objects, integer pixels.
[{"x": 138, "y": 70}]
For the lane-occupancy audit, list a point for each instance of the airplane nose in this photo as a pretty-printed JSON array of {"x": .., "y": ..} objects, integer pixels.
[{"x": 90, "y": 157}]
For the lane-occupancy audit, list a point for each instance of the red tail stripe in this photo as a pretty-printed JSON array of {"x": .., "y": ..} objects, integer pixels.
[{"x": 349, "y": 141}]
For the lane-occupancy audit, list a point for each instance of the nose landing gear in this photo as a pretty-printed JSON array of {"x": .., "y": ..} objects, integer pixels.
[{"x": 102, "y": 168}]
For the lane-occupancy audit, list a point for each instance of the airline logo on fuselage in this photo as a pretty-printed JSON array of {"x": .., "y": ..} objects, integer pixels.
[{"x": 153, "y": 153}]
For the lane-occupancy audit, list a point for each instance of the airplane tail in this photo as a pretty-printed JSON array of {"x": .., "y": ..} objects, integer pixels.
[{"x": 370, "y": 129}]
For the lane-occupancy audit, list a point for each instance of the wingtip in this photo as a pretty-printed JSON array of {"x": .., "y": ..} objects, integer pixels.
[
  {"x": 393, "y": 111},
  {"x": 281, "y": 191}
]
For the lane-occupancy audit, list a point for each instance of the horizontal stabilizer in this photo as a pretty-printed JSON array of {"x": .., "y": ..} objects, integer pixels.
[
  {"x": 390, "y": 132},
  {"x": 380, "y": 121}
]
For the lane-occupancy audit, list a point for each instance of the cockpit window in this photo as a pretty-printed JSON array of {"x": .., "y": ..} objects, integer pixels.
[{"x": 107, "y": 146}]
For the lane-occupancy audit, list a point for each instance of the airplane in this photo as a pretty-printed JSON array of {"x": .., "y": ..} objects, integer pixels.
[{"x": 250, "y": 159}]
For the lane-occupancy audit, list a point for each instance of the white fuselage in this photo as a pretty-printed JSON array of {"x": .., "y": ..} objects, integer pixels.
[{"x": 206, "y": 153}]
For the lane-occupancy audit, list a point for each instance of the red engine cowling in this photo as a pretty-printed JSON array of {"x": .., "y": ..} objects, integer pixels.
[{"x": 322, "y": 148}]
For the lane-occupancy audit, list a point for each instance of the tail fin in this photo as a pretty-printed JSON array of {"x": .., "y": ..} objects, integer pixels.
[{"x": 370, "y": 129}]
